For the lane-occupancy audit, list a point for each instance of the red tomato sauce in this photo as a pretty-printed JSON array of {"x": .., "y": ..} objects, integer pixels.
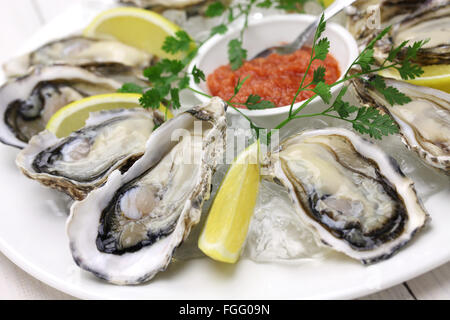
[{"x": 275, "y": 78}]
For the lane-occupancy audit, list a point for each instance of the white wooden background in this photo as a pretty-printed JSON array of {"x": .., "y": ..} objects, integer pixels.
[{"x": 18, "y": 20}]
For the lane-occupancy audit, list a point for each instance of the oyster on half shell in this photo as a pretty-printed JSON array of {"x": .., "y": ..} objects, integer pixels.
[
  {"x": 28, "y": 102},
  {"x": 411, "y": 21},
  {"x": 348, "y": 192},
  {"x": 110, "y": 140},
  {"x": 126, "y": 231},
  {"x": 424, "y": 122},
  {"x": 79, "y": 51}
]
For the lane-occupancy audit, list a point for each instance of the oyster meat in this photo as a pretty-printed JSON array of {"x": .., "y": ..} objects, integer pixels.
[
  {"x": 110, "y": 140},
  {"x": 28, "y": 102},
  {"x": 424, "y": 122},
  {"x": 79, "y": 51},
  {"x": 126, "y": 231},
  {"x": 349, "y": 193}
]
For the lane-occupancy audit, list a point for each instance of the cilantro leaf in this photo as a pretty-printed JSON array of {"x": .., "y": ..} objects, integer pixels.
[
  {"x": 411, "y": 51},
  {"x": 324, "y": 91},
  {"x": 395, "y": 51},
  {"x": 378, "y": 37},
  {"x": 175, "y": 95},
  {"x": 321, "y": 49},
  {"x": 254, "y": 102},
  {"x": 365, "y": 59},
  {"x": 290, "y": 5},
  {"x": 265, "y": 4},
  {"x": 391, "y": 94},
  {"x": 320, "y": 27},
  {"x": 220, "y": 29},
  {"x": 263, "y": 104},
  {"x": 153, "y": 73},
  {"x": 215, "y": 9},
  {"x": 319, "y": 75},
  {"x": 343, "y": 108},
  {"x": 370, "y": 121},
  {"x": 180, "y": 42},
  {"x": 236, "y": 54},
  {"x": 150, "y": 99},
  {"x": 239, "y": 85},
  {"x": 198, "y": 75},
  {"x": 408, "y": 70},
  {"x": 131, "y": 88},
  {"x": 184, "y": 82}
]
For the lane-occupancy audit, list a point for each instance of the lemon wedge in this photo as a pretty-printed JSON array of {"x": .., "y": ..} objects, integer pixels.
[
  {"x": 140, "y": 28},
  {"x": 73, "y": 116},
  {"x": 327, "y": 3},
  {"x": 228, "y": 221},
  {"x": 435, "y": 76}
]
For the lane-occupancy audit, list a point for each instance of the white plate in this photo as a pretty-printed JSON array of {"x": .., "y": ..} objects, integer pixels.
[{"x": 32, "y": 235}]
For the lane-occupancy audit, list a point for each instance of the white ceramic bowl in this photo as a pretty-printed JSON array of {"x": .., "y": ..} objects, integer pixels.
[{"x": 262, "y": 34}]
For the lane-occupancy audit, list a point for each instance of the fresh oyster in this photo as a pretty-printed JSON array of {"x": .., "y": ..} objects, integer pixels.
[
  {"x": 126, "y": 231},
  {"x": 363, "y": 14},
  {"x": 432, "y": 24},
  {"x": 411, "y": 21},
  {"x": 27, "y": 103},
  {"x": 424, "y": 122},
  {"x": 348, "y": 192},
  {"x": 82, "y": 161},
  {"x": 79, "y": 51}
]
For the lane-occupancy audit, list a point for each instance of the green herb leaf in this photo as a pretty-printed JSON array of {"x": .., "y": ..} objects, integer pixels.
[
  {"x": 365, "y": 60},
  {"x": 320, "y": 28},
  {"x": 395, "y": 51},
  {"x": 239, "y": 85},
  {"x": 153, "y": 73},
  {"x": 290, "y": 5},
  {"x": 150, "y": 99},
  {"x": 321, "y": 49},
  {"x": 236, "y": 54},
  {"x": 391, "y": 94},
  {"x": 324, "y": 91},
  {"x": 198, "y": 75},
  {"x": 178, "y": 43},
  {"x": 411, "y": 51},
  {"x": 175, "y": 95},
  {"x": 343, "y": 108},
  {"x": 215, "y": 9},
  {"x": 184, "y": 82},
  {"x": 254, "y": 102},
  {"x": 378, "y": 37},
  {"x": 319, "y": 75},
  {"x": 370, "y": 121},
  {"x": 408, "y": 70},
  {"x": 220, "y": 29},
  {"x": 131, "y": 88},
  {"x": 265, "y": 4}
]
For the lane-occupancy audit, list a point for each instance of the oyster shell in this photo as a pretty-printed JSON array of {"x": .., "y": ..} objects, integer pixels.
[
  {"x": 79, "y": 51},
  {"x": 27, "y": 103},
  {"x": 424, "y": 122},
  {"x": 126, "y": 231},
  {"x": 110, "y": 140},
  {"x": 411, "y": 21},
  {"x": 349, "y": 193},
  {"x": 361, "y": 15},
  {"x": 432, "y": 24}
]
